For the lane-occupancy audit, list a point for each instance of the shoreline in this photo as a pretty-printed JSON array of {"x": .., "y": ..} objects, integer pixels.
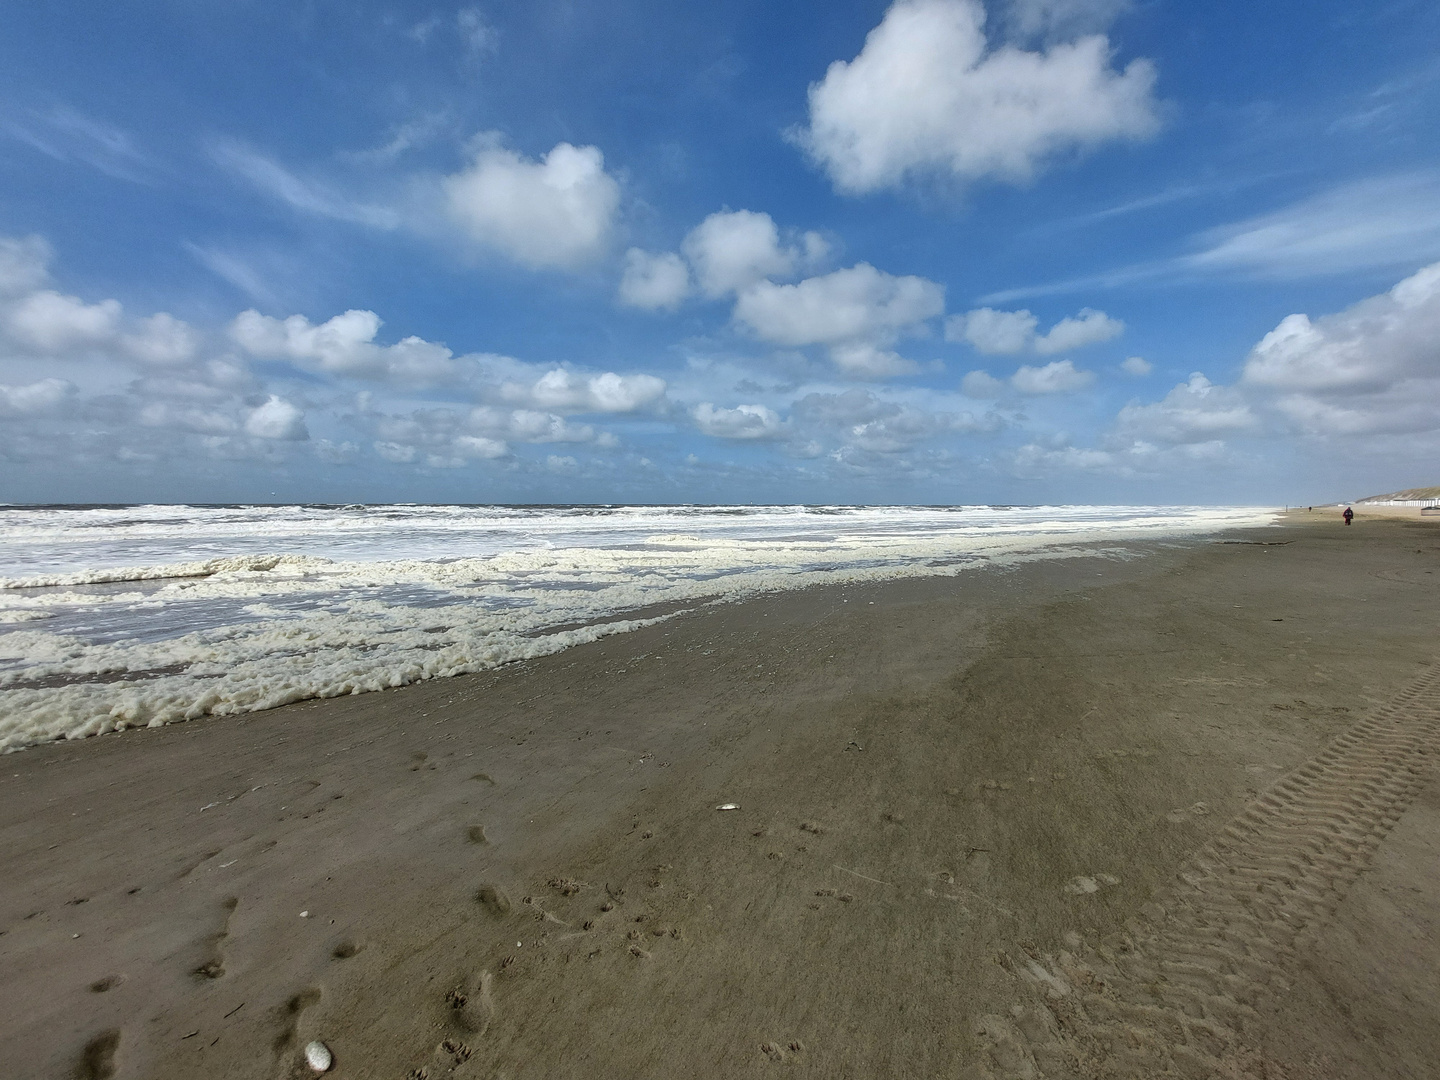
[
  {"x": 922, "y": 767},
  {"x": 355, "y": 640}
]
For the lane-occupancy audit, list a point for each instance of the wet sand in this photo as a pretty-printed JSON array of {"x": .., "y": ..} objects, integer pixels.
[{"x": 1076, "y": 818}]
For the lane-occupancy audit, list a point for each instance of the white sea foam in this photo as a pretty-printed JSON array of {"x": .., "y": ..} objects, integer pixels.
[{"x": 150, "y": 615}]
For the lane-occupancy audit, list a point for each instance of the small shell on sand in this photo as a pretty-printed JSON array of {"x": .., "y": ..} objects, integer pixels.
[
  {"x": 318, "y": 1056},
  {"x": 728, "y": 806}
]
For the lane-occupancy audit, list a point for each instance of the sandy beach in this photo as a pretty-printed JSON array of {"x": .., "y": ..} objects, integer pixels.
[{"x": 1172, "y": 813}]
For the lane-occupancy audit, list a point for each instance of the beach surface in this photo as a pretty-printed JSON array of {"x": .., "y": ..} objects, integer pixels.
[{"x": 1175, "y": 812}]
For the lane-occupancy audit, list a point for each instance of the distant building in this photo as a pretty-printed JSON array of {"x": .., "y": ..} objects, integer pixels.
[{"x": 1426, "y": 497}]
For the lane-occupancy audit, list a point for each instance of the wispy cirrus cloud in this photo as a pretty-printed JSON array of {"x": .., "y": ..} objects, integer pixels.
[
  {"x": 268, "y": 176},
  {"x": 236, "y": 270},
  {"x": 1169, "y": 196},
  {"x": 1378, "y": 222},
  {"x": 1375, "y": 223},
  {"x": 66, "y": 134}
]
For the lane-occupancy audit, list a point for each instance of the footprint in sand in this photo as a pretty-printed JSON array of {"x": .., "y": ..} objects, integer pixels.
[
  {"x": 494, "y": 900},
  {"x": 476, "y": 834},
  {"x": 97, "y": 1060},
  {"x": 109, "y": 982},
  {"x": 290, "y": 1014},
  {"x": 214, "y": 966},
  {"x": 453, "y": 1052},
  {"x": 778, "y": 1052},
  {"x": 345, "y": 950},
  {"x": 471, "y": 1007},
  {"x": 1084, "y": 886}
]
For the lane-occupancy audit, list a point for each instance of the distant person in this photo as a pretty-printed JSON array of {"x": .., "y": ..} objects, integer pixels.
[{"x": 1348, "y": 515}]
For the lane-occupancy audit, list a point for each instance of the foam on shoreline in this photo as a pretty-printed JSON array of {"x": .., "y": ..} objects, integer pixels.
[{"x": 98, "y": 649}]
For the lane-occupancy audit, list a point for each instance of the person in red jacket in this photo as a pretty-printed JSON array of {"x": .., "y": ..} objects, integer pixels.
[{"x": 1348, "y": 515}]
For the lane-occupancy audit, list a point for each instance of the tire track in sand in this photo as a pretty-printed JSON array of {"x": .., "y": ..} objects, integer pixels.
[{"x": 1177, "y": 995}]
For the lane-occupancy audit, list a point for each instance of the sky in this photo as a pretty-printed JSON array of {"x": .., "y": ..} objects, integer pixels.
[{"x": 936, "y": 251}]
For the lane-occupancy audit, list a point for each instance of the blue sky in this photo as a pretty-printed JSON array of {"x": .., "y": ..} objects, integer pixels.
[{"x": 1036, "y": 250}]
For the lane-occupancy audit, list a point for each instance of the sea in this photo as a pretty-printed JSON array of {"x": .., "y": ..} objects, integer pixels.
[{"x": 116, "y": 617}]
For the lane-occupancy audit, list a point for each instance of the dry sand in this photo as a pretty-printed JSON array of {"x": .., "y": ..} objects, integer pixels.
[{"x": 1082, "y": 818}]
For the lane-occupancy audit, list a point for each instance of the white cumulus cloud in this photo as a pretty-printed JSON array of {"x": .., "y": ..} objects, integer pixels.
[
  {"x": 865, "y": 360},
  {"x": 928, "y": 95},
  {"x": 277, "y": 419},
  {"x": 527, "y": 425},
  {"x": 1003, "y": 333},
  {"x": 1076, "y": 331},
  {"x": 732, "y": 249},
  {"x": 557, "y": 212},
  {"x": 478, "y": 446},
  {"x": 1136, "y": 365},
  {"x": 654, "y": 281},
  {"x": 1373, "y": 367},
  {"x": 574, "y": 392},
  {"x": 24, "y": 263},
  {"x": 1196, "y": 411},
  {"x": 1371, "y": 371},
  {"x": 196, "y": 419},
  {"x": 343, "y": 345},
  {"x": 741, "y": 422},
  {"x": 995, "y": 333},
  {"x": 399, "y": 453},
  {"x": 163, "y": 341},
  {"x": 858, "y": 312},
  {"x": 981, "y": 385},
  {"x": 51, "y": 322},
  {"x": 332, "y": 453},
  {"x": 189, "y": 401},
  {"x": 859, "y": 421},
  {"x": 1056, "y": 377},
  {"x": 1037, "y": 459},
  {"x": 38, "y": 397}
]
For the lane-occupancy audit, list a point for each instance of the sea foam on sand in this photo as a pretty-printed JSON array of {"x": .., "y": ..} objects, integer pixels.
[{"x": 97, "y": 645}]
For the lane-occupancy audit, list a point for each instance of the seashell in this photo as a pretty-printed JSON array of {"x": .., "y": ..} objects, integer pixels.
[
  {"x": 728, "y": 806},
  {"x": 318, "y": 1056}
]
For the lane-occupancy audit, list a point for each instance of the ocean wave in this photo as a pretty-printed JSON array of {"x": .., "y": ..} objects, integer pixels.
[
  {"x": 174, "y": 638},
  {"x": 230, "y": 564}
]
